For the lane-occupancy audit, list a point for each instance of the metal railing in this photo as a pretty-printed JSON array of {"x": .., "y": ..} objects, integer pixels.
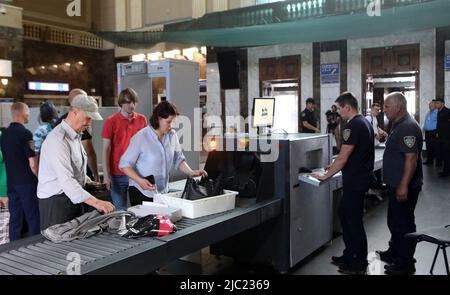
[
  {"x": 51, "y": 34},
  {"x": 283, "y": 11}
]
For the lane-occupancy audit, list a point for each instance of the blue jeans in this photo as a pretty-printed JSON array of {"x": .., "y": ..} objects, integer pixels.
[
  {"x": 119, "y": 191},
  {"x": 23, "y": 200}
]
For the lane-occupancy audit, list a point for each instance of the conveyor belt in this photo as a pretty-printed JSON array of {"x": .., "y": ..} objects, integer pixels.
[{"x": 111, "y": 254}]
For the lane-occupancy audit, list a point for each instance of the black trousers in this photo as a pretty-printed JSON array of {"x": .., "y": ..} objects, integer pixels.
[
  {"x": 58, "y": 209},
  {"x": 136, "y": 197},
  {"x": 401, "y": 220},
  {"x": 351, "y": 211},
  {"x": 444, "y": 152},
  {"x": 431, "y": 142}
]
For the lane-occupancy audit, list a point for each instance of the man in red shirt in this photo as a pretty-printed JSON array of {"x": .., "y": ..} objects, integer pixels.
[{"x": 118, "y": 130}]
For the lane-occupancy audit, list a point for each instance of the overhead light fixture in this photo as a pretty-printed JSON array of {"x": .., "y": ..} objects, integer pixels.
[
  {"x": 154, "y": 56},
  {"x": 42, "y": 68},
  {"x": 80, "y": 63},
  {"x": 172, "y": 53},
  {"x": 203, "y": 50},
  {"x": 138, "y": 57},
  {"x": 189, "y": 52},
  {"x": 55, "y": 66},
  {"x": 5, "y": 70},
  {"x": 67, "y": 64}
]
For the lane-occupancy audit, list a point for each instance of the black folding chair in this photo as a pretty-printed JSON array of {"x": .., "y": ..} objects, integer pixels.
[{"x": 436, "y": 235}]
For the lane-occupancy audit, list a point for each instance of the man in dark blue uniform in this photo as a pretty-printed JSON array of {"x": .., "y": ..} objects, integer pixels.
[
  {"x": 355, "y": 159},
  {"x": 402, "y": 166},
  {"x": 21, "y": 171},
  {"x": 309, "y": 121}
]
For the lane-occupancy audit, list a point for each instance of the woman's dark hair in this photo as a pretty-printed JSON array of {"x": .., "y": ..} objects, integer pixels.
[
  {"x": 48, "y": 112},
  {"x": 163, "y": 110}
]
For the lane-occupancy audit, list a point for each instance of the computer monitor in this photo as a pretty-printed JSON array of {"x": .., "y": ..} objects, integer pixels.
[{"x": 263, "y": 111}]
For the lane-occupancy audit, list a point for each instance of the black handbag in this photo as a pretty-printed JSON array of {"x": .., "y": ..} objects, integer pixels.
[{"x": 203, "y": 188}]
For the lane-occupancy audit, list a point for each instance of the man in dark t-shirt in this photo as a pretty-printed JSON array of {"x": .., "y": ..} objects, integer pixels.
[
  {"x": 21, "y": 171},
  {"x": 355, "y": 159},
  {"x": 309, "y": 121},
  {"x": 443, "y": 136},
  {"x": 402, "y": 166}
]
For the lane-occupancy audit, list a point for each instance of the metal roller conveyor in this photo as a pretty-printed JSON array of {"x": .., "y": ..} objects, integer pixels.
[{"x": 108, "y": 253}]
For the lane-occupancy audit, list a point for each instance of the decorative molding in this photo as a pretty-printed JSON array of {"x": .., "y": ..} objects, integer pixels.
[
  {"x": 53, "y": 34},
  {"x": 134, "y": 14},
  {"x": 220, "y": 5},
  {"x": 198, "y": 8}
]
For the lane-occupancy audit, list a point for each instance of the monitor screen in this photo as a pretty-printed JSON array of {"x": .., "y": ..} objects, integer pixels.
[
  {"x": 263, "y": 111},
  {"x": 48, "y": 86}
]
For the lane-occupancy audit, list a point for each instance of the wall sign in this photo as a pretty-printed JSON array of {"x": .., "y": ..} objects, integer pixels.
[
  {"x": 447, "y": 62},
  {"x": 329, "y": 73}
]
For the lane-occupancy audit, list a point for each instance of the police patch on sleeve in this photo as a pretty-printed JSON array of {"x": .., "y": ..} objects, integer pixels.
[
  {"x": 303, "y": 115},
  {"x": 346, "y": 134},
  {"x": 31, "y": 145},
  {"x": 409, "y": 141}
]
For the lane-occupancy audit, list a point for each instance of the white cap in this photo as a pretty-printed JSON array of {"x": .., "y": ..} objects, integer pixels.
[{"x": 88, "y": 105}]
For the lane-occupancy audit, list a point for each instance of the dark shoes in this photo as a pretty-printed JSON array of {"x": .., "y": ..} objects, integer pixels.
[
  {"x": 397, "y": 269},
  {"x": 353, "y": 268},
  {"x": 428, "y": 163},
  {"x": 386, "y": 256},
  {"x": 338, "y": 260},
  {"x": 349, "y": 267}
]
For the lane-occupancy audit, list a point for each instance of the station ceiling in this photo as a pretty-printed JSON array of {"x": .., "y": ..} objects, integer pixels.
[{"x": 293, "y": 22}]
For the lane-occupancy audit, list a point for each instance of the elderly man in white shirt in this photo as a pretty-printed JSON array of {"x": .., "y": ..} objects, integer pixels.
[{"x": 62, "y": 169}]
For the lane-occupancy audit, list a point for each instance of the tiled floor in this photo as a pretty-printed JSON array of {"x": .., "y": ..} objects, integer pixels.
[{"x": 433, "y": 209}]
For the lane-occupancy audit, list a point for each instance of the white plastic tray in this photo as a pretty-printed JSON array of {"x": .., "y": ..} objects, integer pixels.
[{"x": 201, "y": 207}]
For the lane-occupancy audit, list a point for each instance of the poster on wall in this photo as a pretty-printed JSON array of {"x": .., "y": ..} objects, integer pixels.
[
  {"x": 329, "y": 73},
  {"x": 447, "y": 62}
]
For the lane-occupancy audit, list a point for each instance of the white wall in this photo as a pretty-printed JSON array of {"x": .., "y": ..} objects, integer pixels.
[
  {"x": 213, "y": 104},
  {"x": 427, "y": 41}
]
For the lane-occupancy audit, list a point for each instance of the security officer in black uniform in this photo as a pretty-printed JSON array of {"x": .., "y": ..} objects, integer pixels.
[
  {"x": 443, "y": 135},
  {"x": 309, "y": 121},
  {"x": 402, "y": 166},
  {"x": 355, "y": 159}
]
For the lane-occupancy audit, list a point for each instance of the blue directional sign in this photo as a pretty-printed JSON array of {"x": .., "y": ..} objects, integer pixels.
[
  {"x": 447, "y": 62},
  {"x": 329, "y": 73}
]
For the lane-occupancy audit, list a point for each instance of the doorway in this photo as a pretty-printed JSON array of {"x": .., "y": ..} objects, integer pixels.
[
  {"x": 286, "y": 103},
  {"x": 390, "y": 69},
  {"x": 379, "y": 86},
  {"x": 280, "y": 78}
]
